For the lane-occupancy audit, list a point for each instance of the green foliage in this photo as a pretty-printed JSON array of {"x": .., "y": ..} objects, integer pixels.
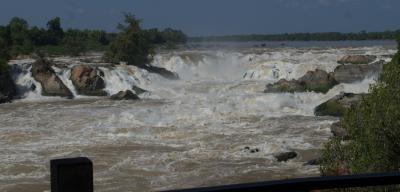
[
  {"x": 335, "y": 158},
  {"x": 132, "y": 44},
  {"x": 74, "y": 43},
  {"x": 19, "y": 36},
  {"x": 172, "y": 35},
  {"x": 22, "y": 40},
  {"x": 54, "y": 31},
  {"x": 374, "y": 126},
  {"x": 168, "y": 38},
  {"x": 4, "y": 48}
]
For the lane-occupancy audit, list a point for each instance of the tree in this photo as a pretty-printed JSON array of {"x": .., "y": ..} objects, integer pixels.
[
  {"x": 175, "y": 36},
  {"x": 54, "y": 31},
  {"x": 74, "y": 42},
  {"x": 38, "y": 36},
  {"x": 4, "y": 48},
  {"x": 131, "y": 45},
  {"x": 19, "y": 36}
]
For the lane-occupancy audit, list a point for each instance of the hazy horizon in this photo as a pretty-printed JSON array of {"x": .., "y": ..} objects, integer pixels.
[{"x": 214, "y": 18}]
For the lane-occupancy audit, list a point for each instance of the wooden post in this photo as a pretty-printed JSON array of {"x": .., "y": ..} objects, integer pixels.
[{"x": 71, "y": 175}]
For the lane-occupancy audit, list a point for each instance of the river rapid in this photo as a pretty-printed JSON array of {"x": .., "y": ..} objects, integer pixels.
[{"x": 183, "y": 133}]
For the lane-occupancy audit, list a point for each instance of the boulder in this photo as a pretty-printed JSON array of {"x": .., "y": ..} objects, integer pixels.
[
  {"x": 125, "y": 95},
  {"x": 88, "y": 81},
  {"x": 7, "y": 87},
  {"x": 316, "y": 161},
  {"x": 317, "y": 81},
  {"x": 357, "y": 59},
  {"x": 338, "y": 131},
  {"x": 138, "y": 90},
  {"x": 51, "y": 83},
  {"x": 352, "y": 73},
  {"x": 338, "y": 105},
  {"x": 161, "y": 71},
  {"x": 285, "y": 156}
]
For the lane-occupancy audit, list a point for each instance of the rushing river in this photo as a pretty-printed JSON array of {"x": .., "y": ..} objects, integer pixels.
[{"x": 182, "y": 133}]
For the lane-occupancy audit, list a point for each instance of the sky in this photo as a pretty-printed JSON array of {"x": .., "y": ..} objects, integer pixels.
[{"x": 214, "y": 17}]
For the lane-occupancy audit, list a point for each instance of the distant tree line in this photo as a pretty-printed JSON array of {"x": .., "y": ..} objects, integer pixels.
[
  {"x": 18, "y": 38},
  {"x": 328, "y": 36}
]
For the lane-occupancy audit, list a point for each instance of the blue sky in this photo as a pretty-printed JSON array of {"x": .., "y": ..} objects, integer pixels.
[{"x": 214, "y": 17}]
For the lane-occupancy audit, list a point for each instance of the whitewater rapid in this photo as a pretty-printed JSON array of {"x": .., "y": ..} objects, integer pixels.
[{"x": 182, "y": 133}]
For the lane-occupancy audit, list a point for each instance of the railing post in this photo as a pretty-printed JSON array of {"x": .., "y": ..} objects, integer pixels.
[{"x": 71, "y": 175}]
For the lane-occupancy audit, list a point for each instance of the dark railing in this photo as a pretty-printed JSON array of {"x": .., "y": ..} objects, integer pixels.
[
  {"x": 307, "y": 184},
  {"x": 77, "y": 175}
]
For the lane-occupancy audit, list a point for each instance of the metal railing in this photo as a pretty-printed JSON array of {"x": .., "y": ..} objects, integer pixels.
[
  {"x": 307, "y": 184},
  {"x": 76, "y": 175}
]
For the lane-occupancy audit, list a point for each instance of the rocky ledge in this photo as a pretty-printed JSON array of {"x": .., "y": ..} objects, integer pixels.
[
  {"x": 88, "y": 81},
  {"x": 349, "y": 73},
  {"x": 338, "y": 105},
  {"x": 7, "y": 87},
  {"x": 51, "y": 84},
  {"x": 357, "y": 59},
  {"x": 125, "y": 95},
  {"x": 285, "y": 156},
  {"x": 317, "y": 81}
]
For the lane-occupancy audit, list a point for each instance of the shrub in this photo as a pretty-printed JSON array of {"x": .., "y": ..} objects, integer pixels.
[{"x": 132, "y": 44}]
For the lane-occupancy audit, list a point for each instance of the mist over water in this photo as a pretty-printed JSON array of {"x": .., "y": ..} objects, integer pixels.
[{"x": 184, "y": 133}]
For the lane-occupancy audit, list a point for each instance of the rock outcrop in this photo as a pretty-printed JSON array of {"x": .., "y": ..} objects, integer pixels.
[
  {"x": 285, "y": 156},
  {"x": 88, "y": 81},
  {"x": 7, "y": 87},
  {"x": 357, "y": 59},
  {"x": 349, "y": 73},
  {"x": 161, "y": 71},
  {"x": 138, "y": 90},
  {"x": 125, "y": 95},
  {"x": 316, "y": 161},
  {"x": 46, "y": 76},
  {"x": 317, "y": 81},
  {"x": 338, "y": 105}
]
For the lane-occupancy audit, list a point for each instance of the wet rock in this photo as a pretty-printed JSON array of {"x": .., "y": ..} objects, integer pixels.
[
  {"x": 254, "y": 150},
  {"x": 7, "y": 87},
  {"x": 285, "y": 156},
  {"x": 125, "y": 95},
  {"x": 357, "y": 59},
  {"x": 316, "y": 161},
  {"x": 87, "y": 80},
  {"x": 338, "y": 105},
  {"x": 339, "y": 132},
  {"x": 161, "y": 71},
  {"x": 138, "y": 90},
  {"x": 317, "y": 81},
  {"x": 248, "y": 149},
  {"x": 46, "y": 76},
  {"x": 353, "y": 73}
]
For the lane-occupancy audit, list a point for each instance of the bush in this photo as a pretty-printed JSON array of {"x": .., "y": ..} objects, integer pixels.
[
  {"x": 4, "y": 49},
  {"x": 18, "y": 30},
  {"x": 374, "y": 126},
  {"x": 74, "y": 43},
  {"x": 132, "y": 45}
]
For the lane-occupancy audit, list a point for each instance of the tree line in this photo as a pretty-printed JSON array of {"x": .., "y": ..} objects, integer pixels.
[
  {"x": 328, "y": 36},
  {"x": 18, "y": 38}
]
